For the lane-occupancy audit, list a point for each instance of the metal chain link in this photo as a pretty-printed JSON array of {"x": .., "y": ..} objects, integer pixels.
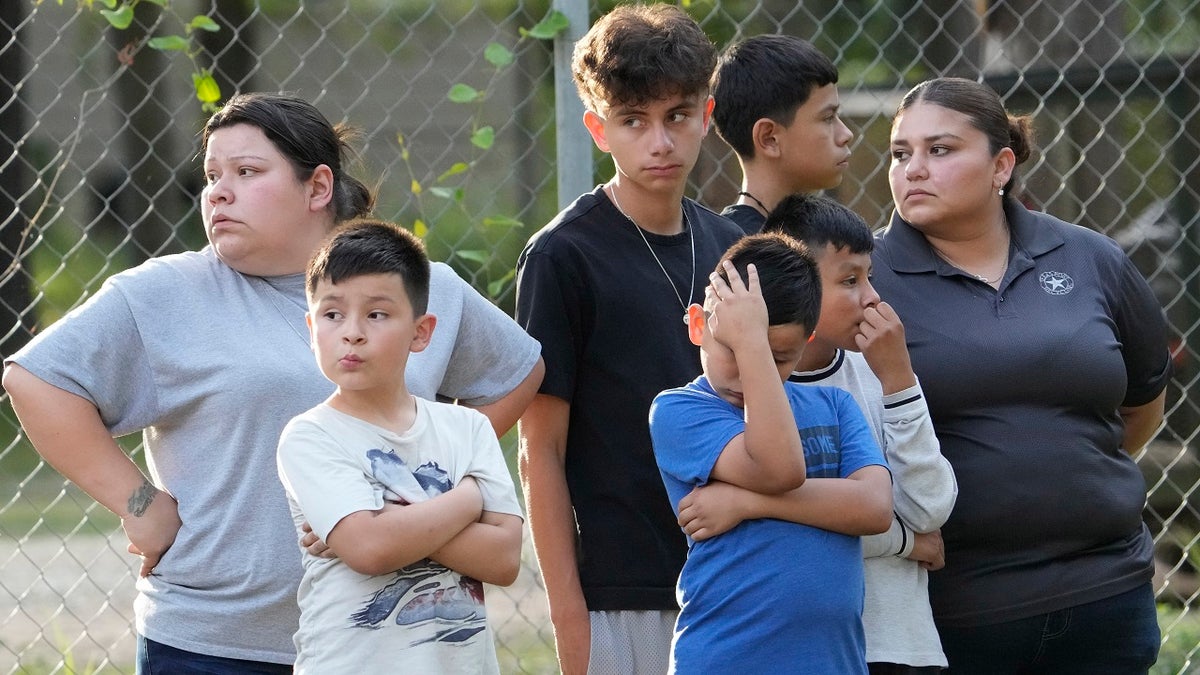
[{"x": 98, "y": 172}]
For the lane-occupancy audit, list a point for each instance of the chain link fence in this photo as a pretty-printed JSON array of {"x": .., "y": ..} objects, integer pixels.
[{"x": 98, "y": 136}]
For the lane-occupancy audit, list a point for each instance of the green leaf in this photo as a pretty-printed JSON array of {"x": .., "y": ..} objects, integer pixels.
[
  {"x": 169, "y": 43},
  {"x": 207, "y": 89},
  {"x": 201, "y": 22},
  {"x": 473, "y": 255},
  {"x": 549, "y": 27},
  {"x": 483, "y": 138},
  {"x": 501, "y": 221},
  {"x": 119, "y": 18},
  {"x": 455, "y": 194},
  {"x": 420, "y": 229},
  {"x": 459, "y": 167},
  {"x": 497, "y": 54},
  {"x": 464, "y": 93},
  {"x": 160, "y": 3},
  {"x": 111, "y": 4},
  {"x": 495, "y": 288}
]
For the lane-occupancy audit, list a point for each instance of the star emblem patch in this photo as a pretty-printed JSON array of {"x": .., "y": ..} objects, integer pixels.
[{"x": 1056, "y": 283}]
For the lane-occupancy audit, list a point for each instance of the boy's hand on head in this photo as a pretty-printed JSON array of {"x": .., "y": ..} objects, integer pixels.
[
  {"x": 712, "y": 509},
  {"x": 739, "y": 316},
  {"x": 881, "y": 341}
]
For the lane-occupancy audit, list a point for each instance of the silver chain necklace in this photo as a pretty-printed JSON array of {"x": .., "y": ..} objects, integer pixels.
[
  {"x": 612, "y": 192},
  {"x": 984, "y": 279}
]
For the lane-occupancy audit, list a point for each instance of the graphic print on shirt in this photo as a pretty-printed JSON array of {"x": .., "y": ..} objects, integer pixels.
[
  {"x": 822, "y": 451},
  {"x": 1056, "y": 283},
  {"x": 403, "y": 485},
  {"x": 436, "y": 603}
]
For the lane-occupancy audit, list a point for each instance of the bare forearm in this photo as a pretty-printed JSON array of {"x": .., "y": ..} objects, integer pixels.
[
  {"x": 378, "y": 542},
  {"x": 504, "y": 413},
  {"x": 771, "y": 438},
  {"x": 488, "y": 550},
  {"x": 542, "y": 465},
  {"x": 67, "y": 431},
  {"x": 552, "y": 525},
  {"x": 855, "y": 506}
]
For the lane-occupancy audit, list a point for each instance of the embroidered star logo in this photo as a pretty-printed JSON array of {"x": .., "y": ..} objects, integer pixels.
[{"x": 1056, "y": 283}]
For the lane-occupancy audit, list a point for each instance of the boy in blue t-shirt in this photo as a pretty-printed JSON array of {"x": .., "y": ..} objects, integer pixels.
[{"x": 742, "y": 423}]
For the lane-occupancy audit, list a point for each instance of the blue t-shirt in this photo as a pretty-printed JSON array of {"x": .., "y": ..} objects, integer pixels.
[{"x": 768, "y": 592}]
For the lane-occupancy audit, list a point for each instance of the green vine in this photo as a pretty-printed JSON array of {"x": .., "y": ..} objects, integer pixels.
[
  {"x": 483, "y": 136},
  {"x": 119, "y": 15}
]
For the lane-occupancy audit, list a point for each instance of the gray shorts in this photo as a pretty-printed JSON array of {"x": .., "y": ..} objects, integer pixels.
[{"x": 631, "y": 642}]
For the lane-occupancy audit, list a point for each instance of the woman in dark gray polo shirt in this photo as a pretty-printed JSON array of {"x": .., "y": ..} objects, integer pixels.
[{"x": 1043, "y": 355}]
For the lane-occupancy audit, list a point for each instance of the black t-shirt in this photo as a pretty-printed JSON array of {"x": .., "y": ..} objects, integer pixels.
[
  {"x": 1023, "y": 385},
  {"x": 747, "y": 217},
  {"x": 613, "y": 337}
]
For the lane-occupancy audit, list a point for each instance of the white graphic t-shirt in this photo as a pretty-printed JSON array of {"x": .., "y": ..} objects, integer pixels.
[{"x": 424, "y": 617}]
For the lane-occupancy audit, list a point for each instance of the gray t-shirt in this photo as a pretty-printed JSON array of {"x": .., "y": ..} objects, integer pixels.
[{"x": 211, "y": 364}]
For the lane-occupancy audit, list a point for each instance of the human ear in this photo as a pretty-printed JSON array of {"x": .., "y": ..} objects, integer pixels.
[
  {"x": 595, "y": 127},
  {"x": 763, "y": 136},
  {"x": 1005, "y": 162},
  {"x": 312, "y": 338},
  {"x": 320, "y": 188},
  {"x": 424, "y": 333},
  {"x": 695, "y": 316},
  {"x": 708, "y": 110}
]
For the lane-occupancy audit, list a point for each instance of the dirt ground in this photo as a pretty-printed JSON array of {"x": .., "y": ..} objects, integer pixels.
[{"x": 77, "y": 600}]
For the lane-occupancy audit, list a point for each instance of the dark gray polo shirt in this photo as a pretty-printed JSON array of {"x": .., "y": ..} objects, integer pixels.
[{"x": 1023, "y": 385}]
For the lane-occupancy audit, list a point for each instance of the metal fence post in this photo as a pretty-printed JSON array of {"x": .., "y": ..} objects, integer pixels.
[{"x": 574, "y": 153}]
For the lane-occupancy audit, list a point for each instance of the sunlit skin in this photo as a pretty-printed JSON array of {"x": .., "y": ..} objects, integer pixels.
[
  {"x": 853, "y": 318},
  {"x": 654, "y": 147},
  {"x": 363, "y": 330},
  {"x": 846, "y": 294},
  {"x": 943, "y": 176},
  {"x": 717, "y": 359},
  {"x": 259, "y": 216},
  {"x": 815, "y": 147}
]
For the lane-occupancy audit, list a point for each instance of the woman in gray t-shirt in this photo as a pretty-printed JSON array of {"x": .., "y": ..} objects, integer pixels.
[{"x": 207, "y": 354}]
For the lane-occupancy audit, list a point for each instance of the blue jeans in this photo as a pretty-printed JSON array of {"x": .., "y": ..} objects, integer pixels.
[
  {"x": 155, "y": 658},
  {"x": 1113, "y": 636}
]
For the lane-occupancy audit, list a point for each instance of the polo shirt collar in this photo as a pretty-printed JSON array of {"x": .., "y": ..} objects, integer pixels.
[{"x": 910, "y": 252}]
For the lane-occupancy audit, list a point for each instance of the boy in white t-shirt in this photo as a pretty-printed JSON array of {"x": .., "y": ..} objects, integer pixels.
[{"x": 413, "y": 497}]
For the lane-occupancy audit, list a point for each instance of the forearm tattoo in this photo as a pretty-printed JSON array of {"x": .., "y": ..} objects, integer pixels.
[{"x": 140, "y": 500}]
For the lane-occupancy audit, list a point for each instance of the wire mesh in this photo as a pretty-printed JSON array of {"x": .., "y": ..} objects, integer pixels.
[{"x": 98, "y": 172}]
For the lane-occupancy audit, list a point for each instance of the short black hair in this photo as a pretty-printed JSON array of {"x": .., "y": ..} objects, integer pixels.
[
  {"x": 787, "y": 275},
  {"x": 766, "y": 76},
  {"x": 636, "y": 54},
  {"x": 818, "y": 221},
  {"x": 362, "y": 247}
]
